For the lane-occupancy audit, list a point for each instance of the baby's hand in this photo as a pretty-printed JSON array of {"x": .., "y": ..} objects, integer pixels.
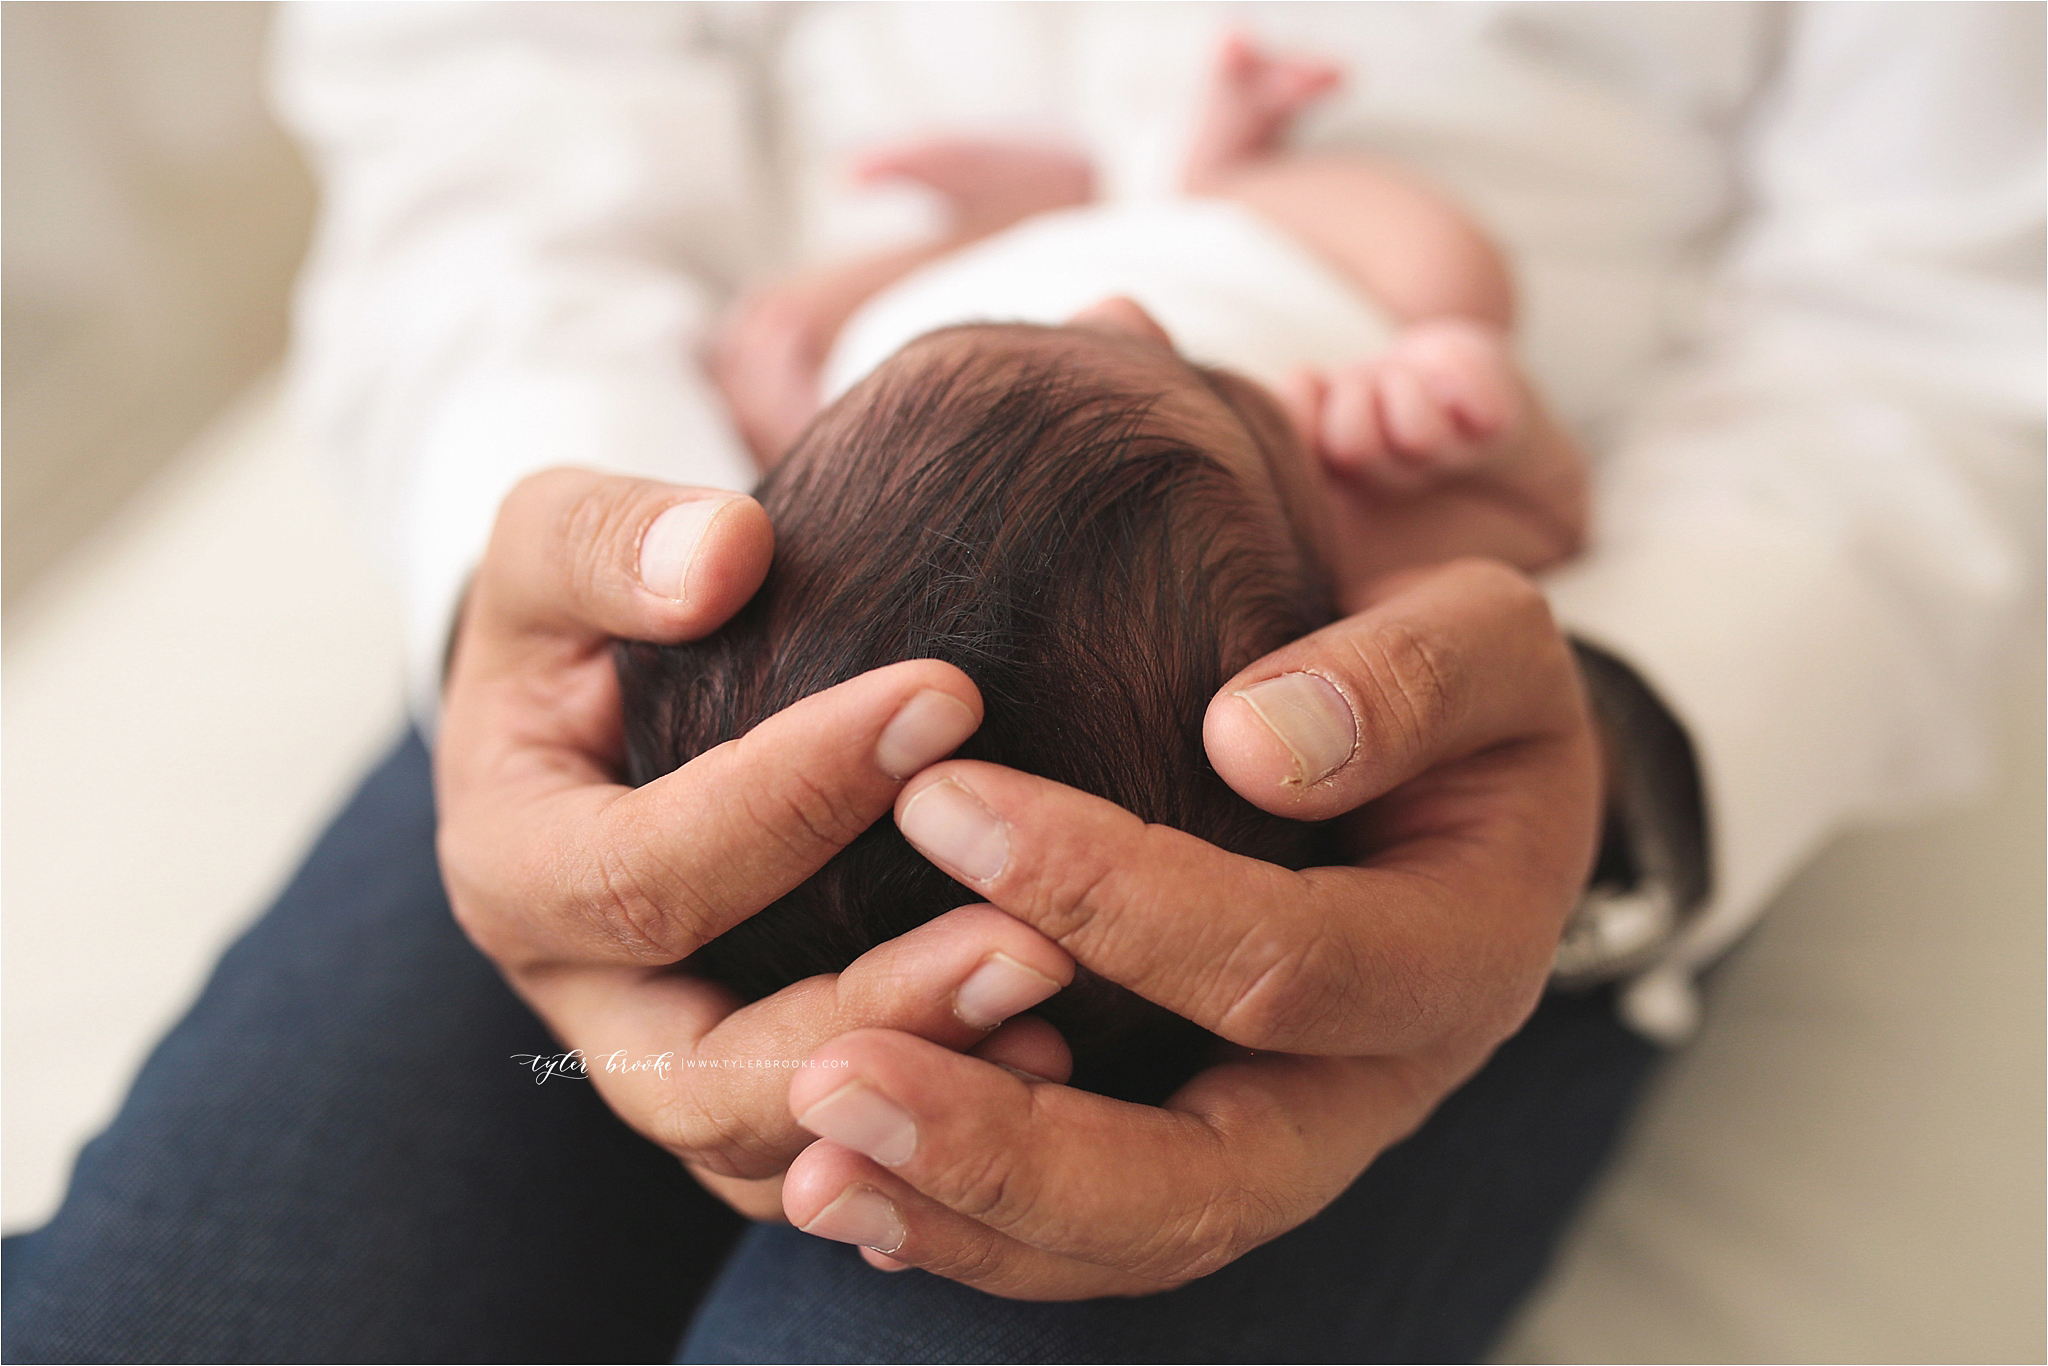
[
  {"x": 1445, "y": 404},
  {"x": 1444, "y": 400}
]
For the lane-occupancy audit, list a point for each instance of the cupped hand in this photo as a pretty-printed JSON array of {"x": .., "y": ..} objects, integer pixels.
[
  {"x": 585, "y": 892},
  {"x": 1448, "y": 715}
]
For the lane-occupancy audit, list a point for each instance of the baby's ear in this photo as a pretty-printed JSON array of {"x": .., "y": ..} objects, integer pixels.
[{"x": 1124, "y": 317}]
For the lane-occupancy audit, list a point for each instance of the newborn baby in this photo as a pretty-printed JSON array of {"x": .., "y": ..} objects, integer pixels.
[{"x": 1095, "y": 529}]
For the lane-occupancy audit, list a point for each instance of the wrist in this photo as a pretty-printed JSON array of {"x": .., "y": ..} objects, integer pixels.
[{"x": 1652, "y": 871}]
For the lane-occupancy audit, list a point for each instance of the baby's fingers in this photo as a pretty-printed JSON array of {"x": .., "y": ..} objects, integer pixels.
[
  {"x": 1417, "y": 426},
  {"x": 1352, "y": 436}
]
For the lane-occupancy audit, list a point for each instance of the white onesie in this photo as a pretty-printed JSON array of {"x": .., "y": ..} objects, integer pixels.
[{"x": 1228, "y": 287}]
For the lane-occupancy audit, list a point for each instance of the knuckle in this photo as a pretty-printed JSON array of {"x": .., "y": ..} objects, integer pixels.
[
  {"x": 481, "y": 928},
  {"x": 1069, "y": 884},
  {"x": 1068, "y": 892},
  {"x": 808, "y": 817},
  {"x": 716, "y": 1137},
  {"x": 680, "y": 1124},
  {"x": 639, "y": 926},
  {"x": 1223, "y": 1226},
  {"x": 1402, "y": 672},
  {"x": 1294, "y": 995},
  {"x": 476, "y": 908},
  {"x": 1500, "y": 1004},
  {"x": 970, "y": 1261},
  {"x": 594, "y": 529},
  {"x": 992, "y": 1187},
  {"x": 477, "y": 924}
]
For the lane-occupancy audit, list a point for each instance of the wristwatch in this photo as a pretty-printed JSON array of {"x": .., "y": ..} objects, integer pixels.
[{"x": 1652, "y": 875}]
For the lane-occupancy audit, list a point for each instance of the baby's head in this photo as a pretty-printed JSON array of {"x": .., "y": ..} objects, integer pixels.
[{"x": 1082, "y": 523}]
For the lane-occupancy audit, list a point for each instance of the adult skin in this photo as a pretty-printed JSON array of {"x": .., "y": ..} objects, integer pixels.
[
  {"x": 1361, "y": 995},
  {"x": 582, "y": 891}
]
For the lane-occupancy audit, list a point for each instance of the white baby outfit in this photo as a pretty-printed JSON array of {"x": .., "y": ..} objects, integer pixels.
[{"x": 1228, "y": 287}]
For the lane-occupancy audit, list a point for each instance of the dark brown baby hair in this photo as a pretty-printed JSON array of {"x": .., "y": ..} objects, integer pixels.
[{"x": 1098, "y": 579}]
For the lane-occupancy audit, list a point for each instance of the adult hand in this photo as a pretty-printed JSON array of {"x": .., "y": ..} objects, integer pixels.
[
  {"x": 1450, "y": 712},
  {"x": 584, "y": 891}
]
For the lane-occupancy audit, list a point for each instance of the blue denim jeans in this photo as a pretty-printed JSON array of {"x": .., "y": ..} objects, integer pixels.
[{"x": 334, "y": 1157}]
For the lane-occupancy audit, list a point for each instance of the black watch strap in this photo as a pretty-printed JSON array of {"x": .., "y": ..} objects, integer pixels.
[{"x": 1652, "y": 872}]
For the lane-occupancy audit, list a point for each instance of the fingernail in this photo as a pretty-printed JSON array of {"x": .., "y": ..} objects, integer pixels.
[
  {"x": 950, "y": 824},
  {"x": 670, "y": 545},
  {"x": 1311, "y": 718},
  {"x": 924, "y": 730},
  {"x": 862, "y": 1216},
  {"x": 859, "y": 1117},
  {"x": 999, "y": 988}
]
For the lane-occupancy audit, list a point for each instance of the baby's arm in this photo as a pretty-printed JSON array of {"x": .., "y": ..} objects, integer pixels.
[
  {"x": 1447, "y": 401},
  {"x": 770, "y": 351}
]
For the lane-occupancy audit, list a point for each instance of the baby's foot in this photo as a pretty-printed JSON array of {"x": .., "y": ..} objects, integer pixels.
[
  {"x": 1445, "y": 402},
  {"x": 1253, "y": 100},
  {"x": 987, "y": 185}
]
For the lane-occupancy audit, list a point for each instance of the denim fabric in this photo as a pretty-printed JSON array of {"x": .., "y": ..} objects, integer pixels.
[{"x": 334, "y": 1158}]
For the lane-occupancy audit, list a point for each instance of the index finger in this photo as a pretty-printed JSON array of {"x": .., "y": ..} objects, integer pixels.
[
  {"x": 1445, "y": 935},
  {"x": 611, "y": 874}
]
